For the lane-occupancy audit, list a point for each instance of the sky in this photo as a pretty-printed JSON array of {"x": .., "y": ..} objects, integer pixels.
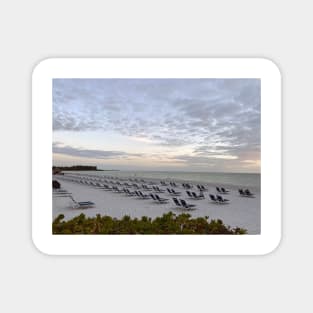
[{"x": 210, "y": 125}]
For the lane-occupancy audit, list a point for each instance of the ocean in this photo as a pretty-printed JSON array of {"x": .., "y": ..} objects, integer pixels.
[{"x": 236, "y": 179}]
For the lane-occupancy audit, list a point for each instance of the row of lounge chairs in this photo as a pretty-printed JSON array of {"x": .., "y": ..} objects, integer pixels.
[
  {"x": 140, "y": 195},
  {"x": 221, "y": 190},
  {"x": 192, "y": 195},
  {"x": 118, "y": 179}
]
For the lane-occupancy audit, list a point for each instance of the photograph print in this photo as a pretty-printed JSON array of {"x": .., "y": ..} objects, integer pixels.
[{"x": 164, "y": 156}]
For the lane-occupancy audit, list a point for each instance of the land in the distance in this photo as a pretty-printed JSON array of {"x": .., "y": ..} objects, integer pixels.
[{"x": 58, "y": 169}]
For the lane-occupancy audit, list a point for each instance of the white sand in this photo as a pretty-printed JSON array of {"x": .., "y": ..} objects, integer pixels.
[{"x": 242, "y": 212}]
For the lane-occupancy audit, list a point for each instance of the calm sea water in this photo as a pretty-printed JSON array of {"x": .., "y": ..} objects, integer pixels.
[{"x": 237, "y": 179}]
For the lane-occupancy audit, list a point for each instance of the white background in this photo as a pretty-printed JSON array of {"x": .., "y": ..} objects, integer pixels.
[{"x": 33, "y": 30}]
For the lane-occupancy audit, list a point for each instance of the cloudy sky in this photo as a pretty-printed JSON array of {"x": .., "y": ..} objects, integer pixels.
[{"x": 158, "y": 124}]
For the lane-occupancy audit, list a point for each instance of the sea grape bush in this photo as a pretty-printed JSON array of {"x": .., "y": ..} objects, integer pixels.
[{"x": 167, "y": 224}]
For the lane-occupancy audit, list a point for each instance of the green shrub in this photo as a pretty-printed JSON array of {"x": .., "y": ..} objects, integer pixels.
[{"x": 164, "y": 225}]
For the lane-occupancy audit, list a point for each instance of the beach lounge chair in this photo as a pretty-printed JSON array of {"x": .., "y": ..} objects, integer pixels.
[
  {"x": 145, "y": 187},
  {"x": 161, "y": 200},
  {"x": 173, "y": 192},
  {"x": 224, "y": 190},
  {"x": 143, "y": 196},
  {"x": 176, "y": 193},
  {"x": 246, "y": 193},
  {"x": 198, "y": 197},
  {"x": 129, "y": 193},
  {"x": 187, "y": 186},
  {"x": 117, "y": 190},
  {"x": 153, "y": 197},
  {"x": 106, "y": 187},
  {"x": 137, "y": 194},
  {"x": 158, "y": 199},
  {"x": 218, "y": 199},
  {"x": 189, "y": 194},
  {"x": 201, "y": 188},
  {"x": 176, "y": 202},
  {"x": 213, "y": 199},
  {"x": 222, "y": 200},
  {"x": 194, "y": 196},
  {"x": 186, "y": 205},
  {"x": 82, "y": 204},
  {"x": 157, "y": 189},
  {"x": 61, "y": 193}
]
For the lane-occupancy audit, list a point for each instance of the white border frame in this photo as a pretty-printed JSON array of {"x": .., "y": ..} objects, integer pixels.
[{"x": 51, "y": 244}]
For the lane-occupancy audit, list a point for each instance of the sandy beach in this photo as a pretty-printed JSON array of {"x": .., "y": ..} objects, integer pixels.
[{"x": 239, "y": 211}]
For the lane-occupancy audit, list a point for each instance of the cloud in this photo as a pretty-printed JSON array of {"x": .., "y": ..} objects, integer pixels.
[
  {"x": 218, "y": 117},
  {"x": 59, "y": 148}
]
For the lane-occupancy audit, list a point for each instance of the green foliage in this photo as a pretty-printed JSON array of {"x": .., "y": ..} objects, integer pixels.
[{"x": 164, "y": 225}]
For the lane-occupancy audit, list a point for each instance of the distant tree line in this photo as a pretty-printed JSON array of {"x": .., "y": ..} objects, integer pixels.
[
  {"x": 167, "y": 224},
  {"x": 75, "y": 168}
]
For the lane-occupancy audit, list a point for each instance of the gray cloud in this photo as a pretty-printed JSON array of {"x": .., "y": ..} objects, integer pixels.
[
  {"x": 212, "y": 115},
  {"x": 59, "y": 148}
]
